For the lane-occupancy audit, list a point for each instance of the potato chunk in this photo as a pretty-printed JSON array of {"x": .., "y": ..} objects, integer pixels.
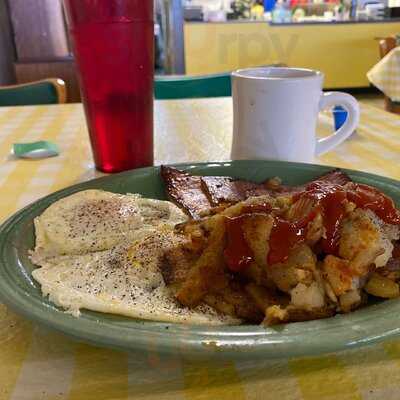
[
  {"x": 278, "y": 315},
  {"x": 308, "y": 297},
  {"x": 207, "y": 273},
  {"x": 338, "y": 273},
  {"x": 235, "y": 301},
  {"x": 360, "y": 241},
  {"x": 264, "y": 298},
  {"x": 298, "y": 268},
  {"x": 381, "y": 286},
  {"x": 350, "y": 300},
  {"x": 256, "y": 230}
]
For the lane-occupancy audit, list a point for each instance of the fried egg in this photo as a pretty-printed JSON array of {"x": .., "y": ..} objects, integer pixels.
[
  {"x": 95, "y": 220},
  {"x": 102, "y": 251},
  {"x": 124, "y": 280}
]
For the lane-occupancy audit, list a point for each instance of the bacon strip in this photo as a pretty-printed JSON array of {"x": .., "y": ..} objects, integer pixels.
[
  {"x": 222, "y": 190},
  {"x": 186, "y": 191},
  {"x": 197, "y": 195},
  {"x": 336, "y": 176}
]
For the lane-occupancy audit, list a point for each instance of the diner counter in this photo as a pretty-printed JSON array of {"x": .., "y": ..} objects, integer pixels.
[
  {"x": 250, "y": 21},
  {"x": 344, "y": 52},
  {"x": 39, "y": 364},
  {"x": 351, "y": 21}
]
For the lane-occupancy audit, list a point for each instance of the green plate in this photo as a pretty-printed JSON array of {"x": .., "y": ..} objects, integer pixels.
[{"x": 18, "y": 290}]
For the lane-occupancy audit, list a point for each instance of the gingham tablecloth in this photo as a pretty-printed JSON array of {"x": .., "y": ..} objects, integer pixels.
[
  {"x": 37, "y": 364},
  {"x": 386, "y": 74}
]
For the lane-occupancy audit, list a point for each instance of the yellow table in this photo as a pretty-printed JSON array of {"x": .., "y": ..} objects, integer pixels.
[{"x": 38, "y": 364}]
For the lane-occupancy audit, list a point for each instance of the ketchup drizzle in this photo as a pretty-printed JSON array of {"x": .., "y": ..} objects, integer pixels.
[
  {"x": 284, "y": 236},
  {"x": 329, "y": 199},
  {"x": 365, "y": 196},
  {"x": 237, "y": 254}
]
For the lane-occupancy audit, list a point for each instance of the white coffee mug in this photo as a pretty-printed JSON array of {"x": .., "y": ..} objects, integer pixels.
[{"x": 276, "y": 111}]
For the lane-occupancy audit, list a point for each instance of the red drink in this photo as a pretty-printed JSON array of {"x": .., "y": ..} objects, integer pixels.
[{"x": 113, "y": 45}]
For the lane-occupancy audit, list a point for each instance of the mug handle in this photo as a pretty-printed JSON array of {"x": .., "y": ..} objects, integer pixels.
[{"x": 350, "y": 104}]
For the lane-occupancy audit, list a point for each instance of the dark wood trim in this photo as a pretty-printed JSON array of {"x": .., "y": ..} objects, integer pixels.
[{"x": 7, "y": 49}]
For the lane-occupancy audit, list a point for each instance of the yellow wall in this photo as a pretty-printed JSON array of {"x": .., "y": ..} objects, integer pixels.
[{"x": 344, "y": 52}]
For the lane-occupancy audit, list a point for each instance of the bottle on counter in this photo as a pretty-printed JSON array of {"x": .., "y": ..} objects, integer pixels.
[
  {"x": 298, "y": 14},
  {"x": 281, "y": 13},
  {"x": 241, "y": 8},
  {"x": 353, "y": 9},
  {"x": 269, "y": 5},
  {"x": 257, "y": 10}
]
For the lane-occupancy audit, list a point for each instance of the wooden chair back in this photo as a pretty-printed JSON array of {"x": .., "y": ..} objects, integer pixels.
[{"x": 385, "y": 46}]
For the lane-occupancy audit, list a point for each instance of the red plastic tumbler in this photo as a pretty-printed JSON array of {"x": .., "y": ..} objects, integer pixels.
[{"x": 113, "y": 43}]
